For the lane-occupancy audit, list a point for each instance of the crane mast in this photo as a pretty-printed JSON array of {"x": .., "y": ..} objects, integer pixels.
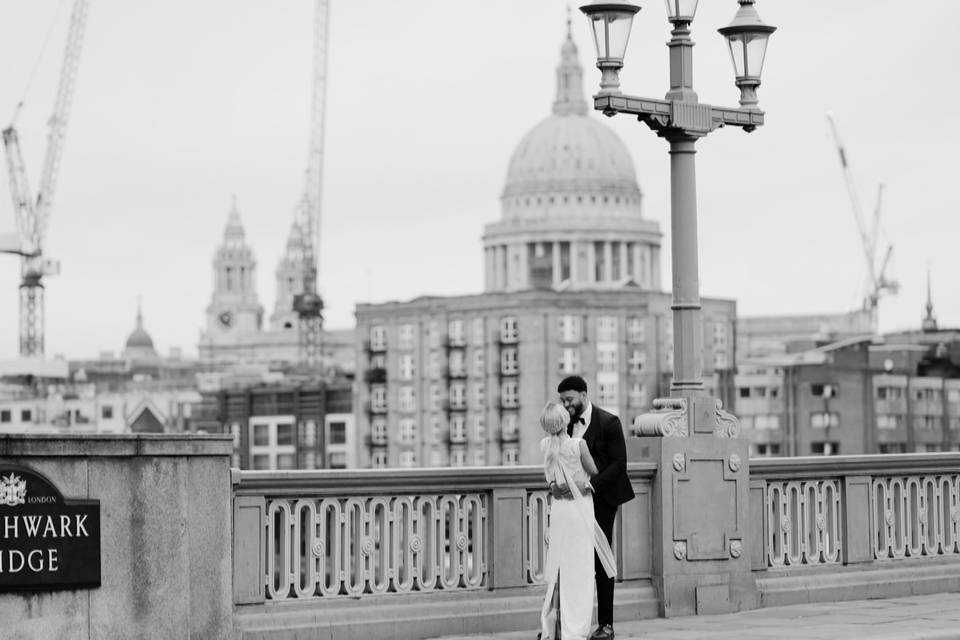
[
  {"x": 877, "y": 283},
  {"x": 308, "y": 304},
  {"x": 33, "y": 216}
]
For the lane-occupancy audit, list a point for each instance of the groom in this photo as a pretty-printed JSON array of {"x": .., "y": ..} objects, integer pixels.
[{"x": 604, "y": 437}]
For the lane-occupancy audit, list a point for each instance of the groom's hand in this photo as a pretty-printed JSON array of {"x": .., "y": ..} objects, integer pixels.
[{"x": 560, "y": 491}]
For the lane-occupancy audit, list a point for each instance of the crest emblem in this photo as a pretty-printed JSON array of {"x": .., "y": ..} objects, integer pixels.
[{"x": 13, "y": 490}]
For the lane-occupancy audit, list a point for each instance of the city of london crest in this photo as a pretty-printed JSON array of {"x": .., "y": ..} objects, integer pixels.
[{"x": 13, "y": 490}]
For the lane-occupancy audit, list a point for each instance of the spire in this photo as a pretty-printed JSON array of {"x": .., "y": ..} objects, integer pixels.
[
  {"x": 570, "y": 98},
  {"x": 234, "y": 229},
  {"x": 139, "y": 313},
  {"x": 929, "y": 321}
]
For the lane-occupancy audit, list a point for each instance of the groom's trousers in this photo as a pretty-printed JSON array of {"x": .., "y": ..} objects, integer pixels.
[{"x": 605, "y": 515}]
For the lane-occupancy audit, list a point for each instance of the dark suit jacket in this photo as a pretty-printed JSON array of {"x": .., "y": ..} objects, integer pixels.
[{"x": 604, "y": 438}]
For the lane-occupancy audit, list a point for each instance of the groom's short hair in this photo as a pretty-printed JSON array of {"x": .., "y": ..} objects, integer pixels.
[{"x": 572, "y": 383}]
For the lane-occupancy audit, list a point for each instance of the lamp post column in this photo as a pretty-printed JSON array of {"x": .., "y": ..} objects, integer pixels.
[{"x": 687, "y": 332}]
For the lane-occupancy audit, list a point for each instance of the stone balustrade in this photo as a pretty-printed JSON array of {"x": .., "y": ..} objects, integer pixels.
[{"x": 400, "y": 535}]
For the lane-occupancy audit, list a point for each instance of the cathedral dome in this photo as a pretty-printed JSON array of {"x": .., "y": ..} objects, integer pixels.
[
  {"x": 570, "y": 152},
  {"x": 139, "y": 338}
]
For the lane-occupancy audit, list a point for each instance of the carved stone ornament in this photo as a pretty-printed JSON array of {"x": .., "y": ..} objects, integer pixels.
[
  {"x": 736, "y": 548},
  {"x": 367, "y": 546},
  {"x": 416, "y": 543},
  {"x": 785, "y": 523},
  {"x": 727, "y": 424},
  {"x": 317, "y": 549},
  {"x": 821, "y": 523},
  {"x": 668, "y": 419},
  {"x": 735, "y": 462},
  {"x": 461, "y": 542},
  {"x": 889, "y": 518},
  {"x": 679, "y": 462},
  {"x": 922, "y": 515},
  {"x": 955, "y": 515},
  {"x": 680, "y": 550}
]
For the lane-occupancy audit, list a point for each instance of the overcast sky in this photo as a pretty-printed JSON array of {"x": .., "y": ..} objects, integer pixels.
[{"x": 182, "y": 104}]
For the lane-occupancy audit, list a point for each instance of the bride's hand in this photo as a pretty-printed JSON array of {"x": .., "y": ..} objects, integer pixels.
[{"x": 585, "y": 487}]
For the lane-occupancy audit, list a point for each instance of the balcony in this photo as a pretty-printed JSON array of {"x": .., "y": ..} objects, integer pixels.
[
  {"x": 455, "y": 342},
  {"x": 374, "y": 347},
  {"x": 456, "y": 373},
  {"x": 376, "y": 375},
  {"x": 373, "y": 409},
  {"x": 454, "y": 405}
]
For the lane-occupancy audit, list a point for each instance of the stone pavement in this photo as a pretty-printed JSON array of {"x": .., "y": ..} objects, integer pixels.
[{"x": 914, "y": 618}]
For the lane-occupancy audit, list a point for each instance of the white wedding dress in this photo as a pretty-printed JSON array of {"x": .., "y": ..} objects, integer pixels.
[{"x": 572, "y": 539}]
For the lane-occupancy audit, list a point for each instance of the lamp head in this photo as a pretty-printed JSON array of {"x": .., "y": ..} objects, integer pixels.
[
  {"x": 610, "y": 24},
  {"x": 747, "y": 37}
]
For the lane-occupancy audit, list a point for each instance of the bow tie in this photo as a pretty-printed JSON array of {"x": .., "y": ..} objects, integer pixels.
[{"x": 572, "y": 424}]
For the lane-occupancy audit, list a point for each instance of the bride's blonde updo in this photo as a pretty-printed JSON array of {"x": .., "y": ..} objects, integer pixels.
[{"x": 554, "y": 418}]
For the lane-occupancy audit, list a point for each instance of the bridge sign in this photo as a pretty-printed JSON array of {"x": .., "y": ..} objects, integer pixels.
[{"x": 47, "y": 542}]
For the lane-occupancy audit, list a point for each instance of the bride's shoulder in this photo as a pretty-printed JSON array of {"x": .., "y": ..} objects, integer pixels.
[{"x": 543, "y": 443}]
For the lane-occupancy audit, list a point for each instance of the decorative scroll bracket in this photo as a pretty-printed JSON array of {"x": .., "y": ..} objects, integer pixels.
[
  {"x": 667, "y": 420},
  {"x": 727, "y": 424}
]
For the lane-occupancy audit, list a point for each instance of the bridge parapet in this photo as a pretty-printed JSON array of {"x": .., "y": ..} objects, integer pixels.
[
  {"x": 332, "y": 538},
  {"x": 835, "y": 519}
]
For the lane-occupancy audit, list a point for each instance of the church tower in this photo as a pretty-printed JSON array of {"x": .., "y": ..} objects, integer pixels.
[
  {"x": 290, "y": 275},
  {"x": 234, "y": 308}
]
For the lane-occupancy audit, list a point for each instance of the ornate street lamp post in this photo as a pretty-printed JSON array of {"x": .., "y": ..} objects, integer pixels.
[
  {"x": 703, "y": 539},
  {"x": 681, "y": 119}
]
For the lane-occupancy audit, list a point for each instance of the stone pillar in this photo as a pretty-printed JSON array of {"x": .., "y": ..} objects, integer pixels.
[
  {"x": 701, "y": 507},
  {"x": 591, "y": 263},
  {"x": 624, "y": 262},
  {"x": 574, "y": 263},
  {"x": 638, "y": 270},
  {"x": 165, "y": 537},
  {"x": 557, "y": 269},
  {"x": 608, "y": 261}
]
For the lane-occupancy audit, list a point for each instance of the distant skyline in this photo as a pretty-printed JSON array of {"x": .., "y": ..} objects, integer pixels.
[{"x": 180, "y": 106}]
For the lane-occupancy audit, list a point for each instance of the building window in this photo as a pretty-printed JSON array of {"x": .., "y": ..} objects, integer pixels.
[
  {"x": 434, "y": 363},
  {"x": 607, "y": 395},
  {"x": 338, "y": 432},
  {"x": 26, "y": 415},
  {"x": 406, "y": 367},
  {"x": 478, "y": 333},
  {"x": 767, "y": 449},
  {"x": 458, "y": 429},
  {"x": 569, "y": 329},
  {"x": 606, "y": 329},
  {"x": 479, "y": 456},
  {"x": 720, "y": 360},
  {"x": 824, "y": 390},
  {"x": 106, "y": 412},
  {"x": 511, "y": 456},
  {"x": 5, "y": 415},
  {"x": 638, "y": 358},
  {"x": 379, "y": 460},
  {"x": 719, "y": 334},
  {"x": 887, "y": 421},
  {"x": 638, "y": 395},
  {"x": 433, "y": 334},
  {"x": 479, "y": 396},
  {"x": 509, "y": 393},
  {"x": 823, "y": 420},
  {"x": 378, "y": 398},
  {"x": 458, "y": 458},
  {"x": 892, "y": 447},
  {"x": 378, "y": 338},
  {"x": 509, "y": 332},
  {"x": 336, "y": 460},
  {"x": 926, "y": 422},
  {"x": 636, "y": 330},
  {"x": 766, "y": 421},
  {"x": 508, "y": 361},
  {"x": 889, "y": 393},
  {"x": 570, "y": 360},
  {"x": 436, "y": 429},
  {"x": 272, "y": 443},
  {"x": 825, "y": 448},
  {"x": 478, "y": 363},
  {"x": 479, "y": 428},
  {"x": 457, "y": 365},
  {"x": 508, "y": 426},
  {"x": 607, "y": 359},
  {"x": 407, "y": 399},
  {"x": 458, "y": 396},
  {"x": 378, "y": 430},
  {"x": 406, "y": 336},
  {"x": 434, "y": 397},
  {"x": 408, "y": 430},
  {"x": 455, "y": 333}
]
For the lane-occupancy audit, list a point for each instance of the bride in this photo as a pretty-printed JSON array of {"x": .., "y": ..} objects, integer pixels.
[{"x": 574, "y": 533}]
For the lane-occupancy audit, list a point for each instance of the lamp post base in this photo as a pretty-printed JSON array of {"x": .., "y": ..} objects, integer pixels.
[{"x": 682, "y": 417}]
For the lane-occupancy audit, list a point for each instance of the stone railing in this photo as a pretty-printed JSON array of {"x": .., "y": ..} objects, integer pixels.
[
  {"x": 846, "y": 510},
  {"x": 318, "y": 535}
]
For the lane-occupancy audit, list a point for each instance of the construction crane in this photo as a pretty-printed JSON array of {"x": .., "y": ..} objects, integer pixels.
[
  {"x": 308, "y": 304},
  {"x": 877, "y": 283},
  {"x": 33, "y": 216}
]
